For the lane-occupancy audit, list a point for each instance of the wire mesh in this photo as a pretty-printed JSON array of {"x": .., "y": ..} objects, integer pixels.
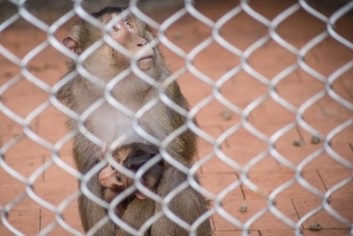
[{"x": 271, "y": 125}]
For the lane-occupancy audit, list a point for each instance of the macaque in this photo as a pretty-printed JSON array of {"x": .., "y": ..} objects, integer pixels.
[
  {"x": 131, "y": 156},
  {"x": 107, "y": 83}
]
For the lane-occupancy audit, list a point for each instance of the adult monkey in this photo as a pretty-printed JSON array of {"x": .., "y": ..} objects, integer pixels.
[{"x": 110, "y": 124}]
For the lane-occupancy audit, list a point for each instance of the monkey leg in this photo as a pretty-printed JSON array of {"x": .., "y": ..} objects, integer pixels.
[
  {"x": 136, "y": 214},
  {"x": 187, "y": 205}
]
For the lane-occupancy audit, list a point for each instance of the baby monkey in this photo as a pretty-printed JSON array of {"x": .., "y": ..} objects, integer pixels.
[{"x": 131, "y": 156}]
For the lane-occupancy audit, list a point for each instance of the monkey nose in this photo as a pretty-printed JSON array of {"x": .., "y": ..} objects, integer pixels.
[{"x": 141, "y": 43}]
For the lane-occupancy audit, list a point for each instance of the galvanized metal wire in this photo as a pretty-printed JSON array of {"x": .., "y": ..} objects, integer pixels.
[{"x": 244, "y": 113}]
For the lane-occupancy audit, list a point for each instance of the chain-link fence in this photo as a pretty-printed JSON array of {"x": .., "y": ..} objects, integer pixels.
[{"x": 270, "y": 83}]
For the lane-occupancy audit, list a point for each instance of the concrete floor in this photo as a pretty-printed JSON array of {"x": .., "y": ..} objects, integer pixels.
[{"x": 24, "y": 158}]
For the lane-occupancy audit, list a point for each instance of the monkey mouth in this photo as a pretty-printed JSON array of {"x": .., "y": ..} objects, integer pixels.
[
  {"x": 148, "y": 57},
  {"x": 146, "y": 62}
]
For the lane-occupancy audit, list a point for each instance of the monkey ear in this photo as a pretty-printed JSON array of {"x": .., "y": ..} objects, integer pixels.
[
  {"x": 153, "y": 31},
  {"x": 73, "y": 45}
]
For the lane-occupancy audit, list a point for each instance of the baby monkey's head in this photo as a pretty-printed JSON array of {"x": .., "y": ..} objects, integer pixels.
[{"x": 132, "y": 156}]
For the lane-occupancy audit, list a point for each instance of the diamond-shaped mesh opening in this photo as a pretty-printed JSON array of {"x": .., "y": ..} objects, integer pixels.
[
  {"x": 23, "y": 161},
  {"x": 297, "y": 87},
  {"x": 330, "y": 55},
  {"x": 243, "y": 97},
  {"x": 187, "y": 25},
  {"x": 270, "y": 66},
  {"x": 242, "y": 31},
  {"x": 329, "y": 114},
  {"x": 16, "y": 40},
  {"x": 215, "y": 68},
  {"x": 293, "y": 31},
  {"x": 271, "y": 113},
  {"x": 23, "y": 97},
  {"x": 25, "y": 213}
]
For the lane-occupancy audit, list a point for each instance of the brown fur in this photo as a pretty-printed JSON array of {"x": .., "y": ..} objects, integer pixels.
[{"x": 109, "y": 124}]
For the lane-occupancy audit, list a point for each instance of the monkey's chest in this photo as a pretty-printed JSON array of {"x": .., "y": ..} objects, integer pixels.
[{"x": 108, "y": 124}]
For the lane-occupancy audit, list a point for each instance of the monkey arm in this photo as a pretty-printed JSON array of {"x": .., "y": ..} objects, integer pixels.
[
  {"x": 86, "y": 155},
  {"x": 88, "y": 207}
]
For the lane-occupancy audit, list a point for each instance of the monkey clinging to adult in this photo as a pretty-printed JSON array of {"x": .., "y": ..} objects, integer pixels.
[
  {"x": 132, "y": 156},
  {"x": 112, "y": 125}
]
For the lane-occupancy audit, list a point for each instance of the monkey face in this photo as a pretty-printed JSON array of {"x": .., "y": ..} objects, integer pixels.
[
  {"x": 112, "y": 179},
  {"x": 127, "y": 32},
  {"x": 133, "y": 157}
]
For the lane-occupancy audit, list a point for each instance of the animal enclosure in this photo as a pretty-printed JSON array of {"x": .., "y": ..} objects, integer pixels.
[{"x": 269, "y": 82}]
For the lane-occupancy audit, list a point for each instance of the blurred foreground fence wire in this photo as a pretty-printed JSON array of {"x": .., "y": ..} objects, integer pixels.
[{"x": 327, "y": 87}]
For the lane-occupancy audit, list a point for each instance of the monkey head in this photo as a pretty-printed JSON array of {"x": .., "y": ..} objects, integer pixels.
[{"x": 126, "y": 31}]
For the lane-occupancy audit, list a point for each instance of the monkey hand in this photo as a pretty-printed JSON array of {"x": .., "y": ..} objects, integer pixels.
[
  {"x": 109, "y": 178},
  {"x": 140, "y": 195}
]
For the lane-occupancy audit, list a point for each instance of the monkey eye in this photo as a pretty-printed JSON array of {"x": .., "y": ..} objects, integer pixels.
[
  {"x": 118, "y": 178},
  {"x": 128, "y": 24},
  {"x": 116, "y": 27}
]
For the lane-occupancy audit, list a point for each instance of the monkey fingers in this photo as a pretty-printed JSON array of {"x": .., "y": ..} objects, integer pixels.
[
  {"x": 108, "y": 177},
  {"x": 140, "y": 195}
]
